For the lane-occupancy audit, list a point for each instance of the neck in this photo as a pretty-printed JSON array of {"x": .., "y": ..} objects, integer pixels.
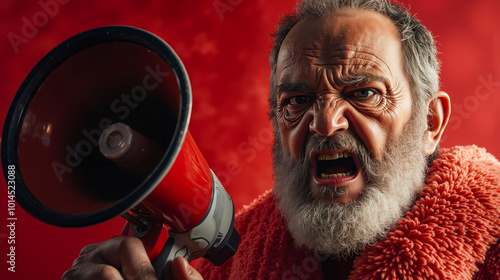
[{"x": 337, "y": 268}]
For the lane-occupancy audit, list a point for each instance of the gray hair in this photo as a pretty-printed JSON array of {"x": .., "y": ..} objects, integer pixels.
[{"x": 420, "y": 60}]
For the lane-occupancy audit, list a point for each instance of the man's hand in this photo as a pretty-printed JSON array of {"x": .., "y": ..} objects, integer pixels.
[
  {"x": 182, "y": 270},
  {"x": 105, "y": 260}
]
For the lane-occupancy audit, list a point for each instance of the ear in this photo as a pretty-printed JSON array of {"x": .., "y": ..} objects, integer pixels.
[{"x": 439, "y": 109}]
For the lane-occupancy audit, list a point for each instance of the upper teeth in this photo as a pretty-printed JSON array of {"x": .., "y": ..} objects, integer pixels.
[{"x": 333, "y": 156}]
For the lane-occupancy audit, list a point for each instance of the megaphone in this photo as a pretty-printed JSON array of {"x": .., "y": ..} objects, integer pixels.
[{"x": 99, "y": 128}]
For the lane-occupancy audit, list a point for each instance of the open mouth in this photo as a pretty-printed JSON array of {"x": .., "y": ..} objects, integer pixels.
[{"x": 335, "y": 165}]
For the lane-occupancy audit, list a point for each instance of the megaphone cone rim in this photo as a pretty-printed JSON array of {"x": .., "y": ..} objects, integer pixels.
[{"x": 27, "y": 90}]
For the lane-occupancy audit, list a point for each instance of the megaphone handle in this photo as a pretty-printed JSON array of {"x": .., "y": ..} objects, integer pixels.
[
  {"x": 173, "y": 248},
  {"x": 161, "y": 264}
]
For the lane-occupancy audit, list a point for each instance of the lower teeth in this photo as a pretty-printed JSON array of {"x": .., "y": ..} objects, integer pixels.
[{"x": 337, "y": 175}]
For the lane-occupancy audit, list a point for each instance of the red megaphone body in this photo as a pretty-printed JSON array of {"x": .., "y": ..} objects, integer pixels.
[{"x": 99, "y": 128}]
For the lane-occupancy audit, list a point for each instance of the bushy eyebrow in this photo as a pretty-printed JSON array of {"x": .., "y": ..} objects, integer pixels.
[
  {"x": 350, "y": 81},
  {"x": 362, "y": 79},
  {"x": 297, "y": 86}
]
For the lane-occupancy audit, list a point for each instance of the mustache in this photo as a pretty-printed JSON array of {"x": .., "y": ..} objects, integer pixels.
[
  {"x": 334, "y": 142},
  {"x": 339, "y": 141},
  {"x": 323, "y": 143}
]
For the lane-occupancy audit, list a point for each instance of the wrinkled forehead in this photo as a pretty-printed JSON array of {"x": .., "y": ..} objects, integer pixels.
[{"x": 342, "y": 35}]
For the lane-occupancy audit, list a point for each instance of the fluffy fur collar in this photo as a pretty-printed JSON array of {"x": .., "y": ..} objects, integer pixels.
[
  {"x": 449, "y": 229},
  {"x": 445, "y": 236}
]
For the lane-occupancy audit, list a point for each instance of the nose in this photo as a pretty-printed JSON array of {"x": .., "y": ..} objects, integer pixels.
[{"x": 329, "y": 119}]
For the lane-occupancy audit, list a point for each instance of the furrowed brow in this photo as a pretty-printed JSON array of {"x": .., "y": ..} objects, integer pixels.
[{"x": 298, "y": 87}]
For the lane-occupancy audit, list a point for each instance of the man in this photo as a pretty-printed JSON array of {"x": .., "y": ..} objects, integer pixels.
[{"x": 361, "y": 188}]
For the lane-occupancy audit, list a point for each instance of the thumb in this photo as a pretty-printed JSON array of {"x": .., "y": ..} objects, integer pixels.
[{"x": 182, "y": 270}]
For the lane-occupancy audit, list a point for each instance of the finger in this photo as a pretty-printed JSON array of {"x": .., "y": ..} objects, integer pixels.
[
  {"x": 128, "y": 254},
  {"x": 92, "y": 272},
  {"x": 182, "y": 270},
  {"x": 89, "y": 265},
  {"x": 123, "y": 253}
]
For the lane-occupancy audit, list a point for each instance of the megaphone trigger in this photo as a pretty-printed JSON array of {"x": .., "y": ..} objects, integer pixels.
[{"x": 141, "y": 226}]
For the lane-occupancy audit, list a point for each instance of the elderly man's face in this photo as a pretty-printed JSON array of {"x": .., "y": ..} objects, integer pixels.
[
  {"x": 342, "y": 74},
  {"x": 351, "y": 159}
]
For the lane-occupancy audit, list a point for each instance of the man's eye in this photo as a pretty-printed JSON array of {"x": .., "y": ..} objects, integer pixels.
[
  {"x": 364, "y": 92},
  {"x": 297, "y": 100}
]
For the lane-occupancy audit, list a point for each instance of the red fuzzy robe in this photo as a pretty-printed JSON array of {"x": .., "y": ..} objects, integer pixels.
[{"x": 451, "y": 232}]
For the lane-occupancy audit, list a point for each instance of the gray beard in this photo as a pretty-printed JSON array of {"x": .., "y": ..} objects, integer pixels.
[{"x": 343, "y": 230}]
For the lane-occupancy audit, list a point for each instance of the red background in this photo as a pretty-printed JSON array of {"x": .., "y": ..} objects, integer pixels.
[{"x": 225, "y": 51}]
